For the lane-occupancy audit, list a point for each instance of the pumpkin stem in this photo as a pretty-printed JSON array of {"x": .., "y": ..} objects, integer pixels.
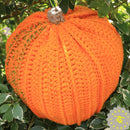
[{"x": 55, "y": 15}]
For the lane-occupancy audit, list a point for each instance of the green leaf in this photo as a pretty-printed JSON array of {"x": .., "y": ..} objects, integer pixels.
[
  {"x": 94, "y": 4},
  {"x": 8, "y": 11},
  {"x": 4, "y": 97},
  {"x": 88, "y": 2},
  {"x": 126, "y": 96},
  {"x": 37, "y": 128},
  {"x": 84, "y": 124},
  {"x": 105, "y": 122},
  {"x": 8, "y": 115},
  {"x": 118, "y": 17},
  {"x": 3, "y": 88},
  {"x": 30, "y": 2},
  {"x": 103, "y": 10},
  {"x": 1, "y": 128},
  {"x": 4, "y": 108},
  {"x": 72, "y": 4},
  {"x": 64, "y": 5},
  {"x": 17, "y": 112},
  {"x": 35, "y": 9},
  {"x": 112, "y": 100},
  {"x": 23, "y": 126},
  {"x": 101, "y": 115},
  {"x": 117, "y": 97},
  {"x": 123, "y": 82},
  {"x": 2, "y": 8},
  {"x": 73, "y": 1},
  {"x": 52, "y": 2},
  {"x": 64, "y": 127},
  {"x": 127, "y": 9},
  {"x": 24, "y": 107},
  {"x": 14, "y": 126},
  {"x": 125, "y": 78},
  {"x": 125, "y": 74},
  {"x": 39, "y": 122},
  {"x": 108, "y": 1},
  {"x": 22, "y": 12},
  {"x": 59, "y": 1},
  {"x": 97, "y": 123},
  {"x": 79, "y": 128},
  {"x": 102, "y": 7},
  {"x": 123, "y": 27},
  {"x": 128, "y": 88},
  {"x": 52, "y": 126}
]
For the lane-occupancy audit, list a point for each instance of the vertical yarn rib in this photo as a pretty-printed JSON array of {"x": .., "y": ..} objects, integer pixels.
[{"x": 64, "y": 72}]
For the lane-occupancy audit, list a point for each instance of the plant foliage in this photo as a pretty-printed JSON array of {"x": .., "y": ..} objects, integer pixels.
[{"x": 14, "y": 114}]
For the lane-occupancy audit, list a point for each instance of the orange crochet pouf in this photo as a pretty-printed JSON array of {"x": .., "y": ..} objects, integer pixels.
[{"x": 64, "y": 72}]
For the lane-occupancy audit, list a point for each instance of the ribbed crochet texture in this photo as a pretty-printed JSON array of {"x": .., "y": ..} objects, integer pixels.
[{"x": 64, "y": 72}]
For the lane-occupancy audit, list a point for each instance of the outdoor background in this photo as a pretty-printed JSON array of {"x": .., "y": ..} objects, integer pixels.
[{"x": 14, "y": 115}]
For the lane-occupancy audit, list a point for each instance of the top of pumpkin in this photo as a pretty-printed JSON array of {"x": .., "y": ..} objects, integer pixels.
[{"x": 55, "y": 15}]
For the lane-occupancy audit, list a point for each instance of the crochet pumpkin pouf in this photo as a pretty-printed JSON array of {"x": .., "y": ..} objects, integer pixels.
[{"x": 64, "y": 70}]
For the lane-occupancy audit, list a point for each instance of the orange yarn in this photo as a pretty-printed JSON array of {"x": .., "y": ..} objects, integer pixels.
[{"x": 64, "y": 72}]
